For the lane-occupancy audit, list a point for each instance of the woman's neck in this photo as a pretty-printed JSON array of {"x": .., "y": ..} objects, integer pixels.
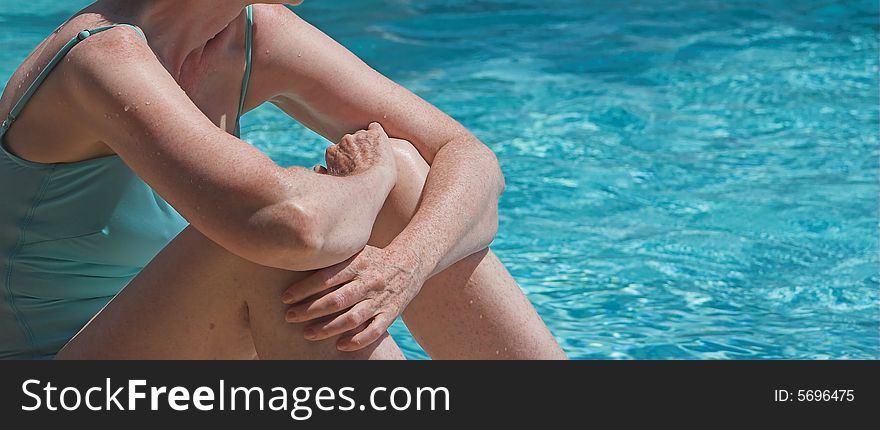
[{"x": 177, "y": 29}]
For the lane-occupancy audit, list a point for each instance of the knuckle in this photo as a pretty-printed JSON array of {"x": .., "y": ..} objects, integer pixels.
[
  {"x": 350, "y": 319},
  {"x": 337, "y": 300}
]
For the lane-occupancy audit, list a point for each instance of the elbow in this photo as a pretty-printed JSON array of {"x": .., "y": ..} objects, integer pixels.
[
  {"x": 491, "y": 218},
  {"x": 294, "y": 236},
  {"x": 499, "y": 176},
  {"x": 493, "y": 170},
  {"x": 285, "y": 235},
  {"x": 302, "y": 248},
  {"x": 489, "y": 226}
]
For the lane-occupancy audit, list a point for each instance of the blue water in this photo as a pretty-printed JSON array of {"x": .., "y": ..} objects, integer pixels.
[{"x": 686, "y": 179}]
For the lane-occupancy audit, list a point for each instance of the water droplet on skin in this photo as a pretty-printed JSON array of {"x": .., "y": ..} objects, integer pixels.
[
  {"x": 126, "y": 108},
  {"x": 299, "y": 55},
  {"x": 147, "y": 103},
  {"x": 471, "y": 302},
  {"x": 497, "y": 352},
  {"x": 116, "y": 115},
  {"x": 481, "y": 316}
]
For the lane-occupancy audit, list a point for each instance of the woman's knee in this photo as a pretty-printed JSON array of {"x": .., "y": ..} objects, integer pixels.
[
  {"x": 412, "y": 171},
  {"x": 402, "y": 202}
]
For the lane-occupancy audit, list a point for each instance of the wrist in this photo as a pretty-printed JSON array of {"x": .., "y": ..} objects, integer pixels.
[
  {"x": 379, "y": 177},
  {"x": 415, "y": 261}
]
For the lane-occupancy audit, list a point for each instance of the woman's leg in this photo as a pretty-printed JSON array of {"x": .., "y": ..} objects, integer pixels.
[
  {"x": 196, "y": 300},
  {"x": 473, "y": 309}
]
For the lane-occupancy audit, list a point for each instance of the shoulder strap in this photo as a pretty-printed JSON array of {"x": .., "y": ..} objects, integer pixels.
[
  {"x": 248, "y": 52},
  {"x": 26, "y": 97}
]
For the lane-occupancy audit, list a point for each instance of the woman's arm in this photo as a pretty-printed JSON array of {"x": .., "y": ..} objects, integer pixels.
[
  {"x": 331, "y": 91},
  {"x": 287, "y": 218}
]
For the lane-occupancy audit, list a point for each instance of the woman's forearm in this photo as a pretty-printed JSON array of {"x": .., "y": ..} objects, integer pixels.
[
  {"x": 458, "y": 214},
  {"x": 329, "y": 217}
]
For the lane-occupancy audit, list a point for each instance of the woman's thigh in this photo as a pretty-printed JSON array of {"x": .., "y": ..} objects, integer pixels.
[{"x": 195, "y": 300}]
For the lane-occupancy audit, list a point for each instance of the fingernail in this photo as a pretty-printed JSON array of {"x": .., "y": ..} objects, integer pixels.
[
  {"x": 348, "y": 345},
  {"x": 287, "y": 298},
  {"x": 290, "y": 316}
]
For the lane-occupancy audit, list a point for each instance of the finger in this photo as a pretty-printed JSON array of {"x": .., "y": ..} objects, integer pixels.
[
  {"x": 378, "y": 127},
  {"x": 362, "y": 137},
  {"x": 368, "y": 335},
  {"x": 330, "y": 152},
  {"x": 358, "y": 315},
  {"x": 335, "y": 301},
  {"x": 348, "y": 335},
  {"x": 347, "y": 140},
  {"x": 321, "y": 280}
]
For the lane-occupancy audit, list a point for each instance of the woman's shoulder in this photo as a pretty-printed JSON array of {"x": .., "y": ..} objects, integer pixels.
[
  {"x": 63, "y": 69},
  {"x": 272, "y": 18},
  {"x": 106, "y": 47},
  {"x": 111, "y": 45}
]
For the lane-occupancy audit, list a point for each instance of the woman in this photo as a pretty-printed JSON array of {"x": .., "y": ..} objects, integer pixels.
[{"x": 119, "y": 136}]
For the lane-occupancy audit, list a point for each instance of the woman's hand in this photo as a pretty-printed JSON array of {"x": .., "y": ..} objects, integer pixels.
[
  {"x": 358, "y": 152},
  {"x": 359, "y": 297}
]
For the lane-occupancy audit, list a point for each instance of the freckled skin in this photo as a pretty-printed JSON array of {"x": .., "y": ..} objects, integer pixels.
[{"x": 424, "y": 199}]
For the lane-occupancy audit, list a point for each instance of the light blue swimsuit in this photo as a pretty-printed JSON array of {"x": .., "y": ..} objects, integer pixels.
[{"x": 72, "y": 235}]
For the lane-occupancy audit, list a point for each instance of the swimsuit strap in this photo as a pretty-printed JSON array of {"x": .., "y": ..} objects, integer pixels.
[
  {"x": 83, "y": 35},
  {"x": 26, "y": 97},
  {"x": 249, "y": 54}
]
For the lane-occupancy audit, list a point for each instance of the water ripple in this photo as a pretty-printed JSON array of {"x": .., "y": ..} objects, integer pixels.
[{"x": 685, "y": 179}]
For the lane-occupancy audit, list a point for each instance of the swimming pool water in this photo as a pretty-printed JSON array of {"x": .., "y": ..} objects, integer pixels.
[{"x": 686, "y": 179}]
